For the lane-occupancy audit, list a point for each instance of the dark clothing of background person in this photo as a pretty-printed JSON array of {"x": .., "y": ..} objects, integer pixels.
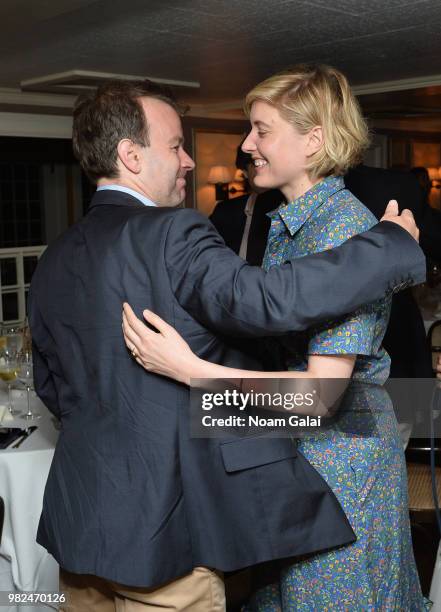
[
  {"x": 430, "y": 227},
  {"x": 405, "y": 338},
  {"x": 229, "y": 219},
  {"x": 430, "y": 233},
  {"x": 373, "y": 185},
  {"x": 130, "y": 496}
]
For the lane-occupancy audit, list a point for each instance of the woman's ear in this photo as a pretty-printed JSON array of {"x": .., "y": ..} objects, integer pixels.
[
  {"x": 128, "y": 154},
  {"x": 315, "y": 140}
]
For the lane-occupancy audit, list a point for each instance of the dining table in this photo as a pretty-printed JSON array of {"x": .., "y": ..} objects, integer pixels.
[{"x": 25, "y": 566}]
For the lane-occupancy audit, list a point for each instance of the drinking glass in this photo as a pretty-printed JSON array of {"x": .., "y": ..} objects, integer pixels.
[
  {"x": 8, "y": 373},
  {"x": 12, "y": 336},
  {"x": 25, "y": 376}
]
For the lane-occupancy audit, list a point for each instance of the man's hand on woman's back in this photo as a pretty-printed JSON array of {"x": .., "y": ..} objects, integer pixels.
[{"x": 405, "y": 219}]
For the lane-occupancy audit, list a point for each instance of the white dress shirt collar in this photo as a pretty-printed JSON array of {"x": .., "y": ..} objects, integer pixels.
[{"x": 139, "y": 196}]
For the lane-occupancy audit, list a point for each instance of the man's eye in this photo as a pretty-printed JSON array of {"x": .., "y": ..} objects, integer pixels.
[{"x": 261, "y": 134}]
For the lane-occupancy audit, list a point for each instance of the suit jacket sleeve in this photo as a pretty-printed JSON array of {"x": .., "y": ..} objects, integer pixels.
[
  {"x": 43, "y": 378},
  {"x": 223, "y": 292},
  {"x": 44, "y": 383}
]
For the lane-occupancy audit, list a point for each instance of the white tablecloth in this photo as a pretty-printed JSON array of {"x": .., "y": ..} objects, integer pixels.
[{"x": 24, "y": 564}]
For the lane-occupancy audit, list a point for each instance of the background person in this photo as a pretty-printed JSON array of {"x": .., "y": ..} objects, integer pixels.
[
  {"x": 430, "y": 218},
  {"x": 405, "y": 338},
  {"x": 243, "y": 222}
]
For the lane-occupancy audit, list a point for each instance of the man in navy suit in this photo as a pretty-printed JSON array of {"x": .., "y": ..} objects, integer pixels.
[{"x": 136, "y": 512}]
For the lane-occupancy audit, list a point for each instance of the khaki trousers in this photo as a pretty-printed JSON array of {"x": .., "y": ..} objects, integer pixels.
[{"x": 201, "y": 591}]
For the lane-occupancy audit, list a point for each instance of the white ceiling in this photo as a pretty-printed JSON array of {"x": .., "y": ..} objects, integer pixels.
[{"x": 225, "y": 45}]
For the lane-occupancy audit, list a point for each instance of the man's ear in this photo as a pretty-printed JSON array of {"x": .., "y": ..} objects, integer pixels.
[
  {"x": 128, "y": 155},
  {"x": 315, "y": 140}
]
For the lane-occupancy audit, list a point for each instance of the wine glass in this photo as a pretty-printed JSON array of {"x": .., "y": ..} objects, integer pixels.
[
  {"x": 12, "y": 336},
  {"x": 25, "y": 376},
  {"x": 8, "y": 373}
]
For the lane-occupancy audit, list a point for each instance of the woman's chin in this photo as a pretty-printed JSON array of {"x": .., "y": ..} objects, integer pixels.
[{"x": 263, "y": 183}]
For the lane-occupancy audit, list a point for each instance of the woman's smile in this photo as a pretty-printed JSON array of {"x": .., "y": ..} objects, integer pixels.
[{"x": 259, "y": 163}]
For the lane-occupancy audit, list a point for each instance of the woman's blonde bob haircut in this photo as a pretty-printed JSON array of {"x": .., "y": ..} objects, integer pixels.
[{"x": 317, "y": 95}]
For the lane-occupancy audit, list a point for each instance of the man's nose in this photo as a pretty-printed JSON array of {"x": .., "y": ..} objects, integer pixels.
[{"x": 187, "y": 162}]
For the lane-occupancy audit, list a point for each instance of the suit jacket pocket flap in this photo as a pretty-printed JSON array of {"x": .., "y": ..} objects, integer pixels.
[{"x": 250, "y": 452}]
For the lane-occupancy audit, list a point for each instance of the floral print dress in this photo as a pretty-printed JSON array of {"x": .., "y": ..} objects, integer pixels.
[{"x": 367, "y": 473}]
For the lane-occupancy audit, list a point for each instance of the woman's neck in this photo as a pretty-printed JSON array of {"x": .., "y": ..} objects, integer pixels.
[{"x": 296, "y": 189}]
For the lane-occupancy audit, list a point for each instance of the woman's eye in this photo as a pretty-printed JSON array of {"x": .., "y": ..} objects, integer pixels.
[{"x": 261, "y": 134}]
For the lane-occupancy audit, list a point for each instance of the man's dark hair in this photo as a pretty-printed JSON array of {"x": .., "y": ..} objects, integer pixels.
[
  {"x": 110, "y": 114},
  {"x": 243, "y": 159}
]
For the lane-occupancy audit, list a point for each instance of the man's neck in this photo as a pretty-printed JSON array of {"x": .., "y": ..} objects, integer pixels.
[
  {"x": 123, "y": 182},
  {"x": 102, "y": 182},
  {"x": 121, "y": 185}
]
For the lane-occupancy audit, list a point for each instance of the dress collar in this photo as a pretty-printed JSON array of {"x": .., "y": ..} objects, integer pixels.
[{"x": 296, "y": 213}]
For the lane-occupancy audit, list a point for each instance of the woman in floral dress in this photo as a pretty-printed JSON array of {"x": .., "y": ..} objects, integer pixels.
[{"x": 306, "y": 131}]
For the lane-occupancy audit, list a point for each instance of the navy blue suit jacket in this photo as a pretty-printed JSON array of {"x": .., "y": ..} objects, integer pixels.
[{"x": 130, "y": 496}]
